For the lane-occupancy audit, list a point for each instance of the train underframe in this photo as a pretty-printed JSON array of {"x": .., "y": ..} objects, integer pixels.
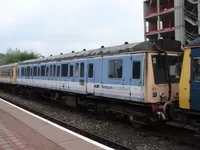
[
  {"x": 137, "y": 114},
  {"x": 182, "y": 118}
]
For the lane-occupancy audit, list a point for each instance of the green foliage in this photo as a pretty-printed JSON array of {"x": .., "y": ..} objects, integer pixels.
[{"x": 16, "y": 55}]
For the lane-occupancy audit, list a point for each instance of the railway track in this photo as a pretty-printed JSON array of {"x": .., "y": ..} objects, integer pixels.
[
  {"x": 165, "y": 132},
  {"x": 94, "y": 137}
]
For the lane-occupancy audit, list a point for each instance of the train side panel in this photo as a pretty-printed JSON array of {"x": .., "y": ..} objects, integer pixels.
[{"x": 184, "y": 86}]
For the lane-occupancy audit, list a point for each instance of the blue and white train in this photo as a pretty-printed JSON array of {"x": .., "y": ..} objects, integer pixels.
[{"x": 131, "y": 79}]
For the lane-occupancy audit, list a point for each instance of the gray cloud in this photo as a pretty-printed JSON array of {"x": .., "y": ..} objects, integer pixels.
[{"x": 54, "y": 26}]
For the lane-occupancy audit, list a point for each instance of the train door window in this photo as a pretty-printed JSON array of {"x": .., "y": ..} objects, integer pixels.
[
  {"x": 196, "y": 69},
  {"x": 54, "y": 70},
  {"x": 71, "y": 74},
  {"x": 42, "y": 70},
  {"x": 77, "y": 70},
  {"x": 34, "y": 71},
  {"x": 64, "y": 70},
  {"x": 90, "y": 70},
  {"x": 136, "y": 69},
  {"x": 82, "y": 69},
  {"x": 47, "y": 70},
  {"x": 115, "y": 68},
  {"x": 50, "y": 72},
  {"x": 38, "y": 73},
  {"x": 58, "y": 71}
]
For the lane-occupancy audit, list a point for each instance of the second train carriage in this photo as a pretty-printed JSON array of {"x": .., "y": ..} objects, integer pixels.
[{"x": 145, "y": 73}]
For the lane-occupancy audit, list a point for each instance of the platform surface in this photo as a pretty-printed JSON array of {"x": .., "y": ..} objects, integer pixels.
[{"x": 22, "y": 130}]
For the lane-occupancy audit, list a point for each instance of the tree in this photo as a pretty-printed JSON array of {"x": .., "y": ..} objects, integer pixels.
[{"x": 16, "y": 55}]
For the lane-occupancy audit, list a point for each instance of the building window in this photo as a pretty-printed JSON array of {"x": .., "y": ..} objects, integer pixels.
[
  {"x": 64, "y": 70},
  {"x": 58, "y": 71},
  {"x": 82, "y": 70},
  {"x": 90, "y": 71},
  {"x": 42, "y": 70},
  {"x": 136, "y": 70},
  {"x": 115, "y": 69},
  {"x": 34, "y": 71},
  {"x": 71, "y": 71},
  {"x": 77, "y": 70}
]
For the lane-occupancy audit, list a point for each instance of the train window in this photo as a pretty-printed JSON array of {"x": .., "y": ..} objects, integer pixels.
[
  {"x": 77, "y": 70},
  {"x": 38, "y": 73},
  {"x": 136, "y": 70},
  {"x": 42, "y": 70},
  {"x": 90, "y": 71},
  {"x": 54, "y": 70},
  {"x": 47, "y": 70},
  {"x": 71, "y": 74},
  {"x": 64, "y": 70},
  {"x": 50, "y": 72},
  {"x": 28, "y": 71},
  {"x": 22, "y": 71},
  {"x": 58, "y": 71},
  {"x": 34, "y": 71},
  {"x": 196, "y": 69},
  {"x": 82, "y": 70},
  {"x": 115, "y": 68}
]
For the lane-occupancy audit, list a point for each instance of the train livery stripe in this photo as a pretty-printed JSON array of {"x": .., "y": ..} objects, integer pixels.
[{"x": 184, "y": 86}]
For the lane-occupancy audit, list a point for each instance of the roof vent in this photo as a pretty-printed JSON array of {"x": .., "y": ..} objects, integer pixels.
[
  {"x": 72, "y": 51},
  {"x": 50, "y": 55},
  {"x": 126, "y": 43},
  {"x": 61, "y": 53},
  {"x": 102, "y": 46},
  {"x": 84, "y": 49},
  {"x": 42, "y": 56}
]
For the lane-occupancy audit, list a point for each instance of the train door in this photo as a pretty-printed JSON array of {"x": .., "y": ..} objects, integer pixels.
[
  {"x": 28, "y": 75},
  {"x": 58, "y": 76},
  {"x": 195, "y": 79},
  {"x": 64, "y": 76},
  {"x": 90, "y": 76},
  {"x": 137, "y": 77},
  {"x": 71, "y": 86},
  {"x": 14, "y": 75}
]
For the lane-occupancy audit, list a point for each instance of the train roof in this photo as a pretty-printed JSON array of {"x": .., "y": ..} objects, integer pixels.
[
  {"x": 9, "y": 65},
  {"x": 164, "y": 44},
  {"x": 195, "y": 43}
]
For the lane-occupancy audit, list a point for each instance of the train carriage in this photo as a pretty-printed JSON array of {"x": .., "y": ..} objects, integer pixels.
[{"x": 131, "y": 79}]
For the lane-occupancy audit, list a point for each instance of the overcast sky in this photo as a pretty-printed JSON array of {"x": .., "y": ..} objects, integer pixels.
[{"x": 55, "y": 26}]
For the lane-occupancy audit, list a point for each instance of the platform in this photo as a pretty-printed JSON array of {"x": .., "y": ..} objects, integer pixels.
[{"x": 20, "y": 129}]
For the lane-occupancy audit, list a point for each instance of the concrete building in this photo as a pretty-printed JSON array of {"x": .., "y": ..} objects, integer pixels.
[{"x": 174, "y": 19}]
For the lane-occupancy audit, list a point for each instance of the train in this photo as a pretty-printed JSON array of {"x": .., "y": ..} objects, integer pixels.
[{"x": 139, "y": 81}]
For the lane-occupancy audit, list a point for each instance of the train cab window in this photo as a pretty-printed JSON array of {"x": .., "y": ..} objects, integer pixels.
[
  {"x": 90, "y": 70},
  {"x": 77, "y": 70},
  {"x": 58, "y": 71},
  {"x": 42, "y": 70},
  {"x": 136, "y": 70},
  {"x": 82, "y": 70},
  {"x": 64, "y": 70},
  {"x": 34, "y": 71},
  {"x": 54, "y": 70},
  {"x": 196, "y": 69},
  {"x": 71, "y": 73},
  {"x": 115, "y": 68}
]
